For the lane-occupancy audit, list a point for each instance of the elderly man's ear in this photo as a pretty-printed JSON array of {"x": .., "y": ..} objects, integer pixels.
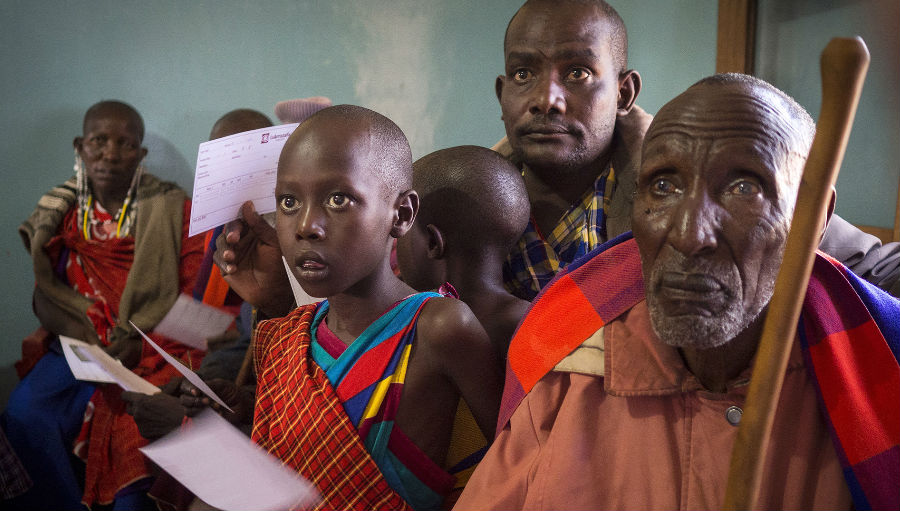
[{"x": 828, "y": 213}]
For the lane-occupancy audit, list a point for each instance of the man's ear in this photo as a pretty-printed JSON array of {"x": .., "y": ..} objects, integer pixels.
[
  {"x": 143, "y": 152},
  {"x": 629, "y": 88},
  {"x": 498, "y": 87},
  {"x": 78, "y": 143},
  {"x": 436, "y": 244},
  {"x": 405, "y": 210},
  {"x": 829, "y": 212}
]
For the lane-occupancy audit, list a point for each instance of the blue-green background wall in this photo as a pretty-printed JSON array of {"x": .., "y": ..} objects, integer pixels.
[{"x": 428, "y": 64}]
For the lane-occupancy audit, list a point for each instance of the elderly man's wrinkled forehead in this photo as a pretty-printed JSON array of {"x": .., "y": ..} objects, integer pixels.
[{"x": 724, "y": 109}]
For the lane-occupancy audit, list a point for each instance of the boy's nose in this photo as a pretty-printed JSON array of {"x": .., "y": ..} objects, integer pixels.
[{"x": 310, "y": 224}]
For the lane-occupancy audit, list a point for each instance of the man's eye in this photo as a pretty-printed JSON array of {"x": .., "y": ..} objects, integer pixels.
[
  {"x": 338, "y": 200},
  {"x": 578, "y": 74},
  {"x": 521, "y": 75},
  {"x": 663, "y": 186},
  {"x": 744, "y": 187},
  {"x": 288, "y": 204}
]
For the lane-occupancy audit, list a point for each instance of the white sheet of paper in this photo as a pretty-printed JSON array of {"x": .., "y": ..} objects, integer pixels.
[
  {"x": 191, "y": 322},
  {"x": 119, "y": 374},
  {"x": 300, "y": 296},
  {"x": 83, "y": 368},
  {"x": 187, "y": 373},
  {"x": 225, "y": 469},
  {"x": 232, "y": 170}
]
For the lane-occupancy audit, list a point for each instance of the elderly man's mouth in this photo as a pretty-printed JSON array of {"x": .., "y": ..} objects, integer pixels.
[{"x": 691, "y": 294}]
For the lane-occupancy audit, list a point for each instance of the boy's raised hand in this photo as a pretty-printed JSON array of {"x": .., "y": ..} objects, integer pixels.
[{"x": 248, "y": 255}]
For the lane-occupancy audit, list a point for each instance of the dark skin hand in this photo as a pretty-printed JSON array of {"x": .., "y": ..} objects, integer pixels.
[
  {"x": 128, "y": 351},
  {"x": 155, "y": 415},
  {"x": 249, "y": 257},
  {"x": 239, "y": 399}
]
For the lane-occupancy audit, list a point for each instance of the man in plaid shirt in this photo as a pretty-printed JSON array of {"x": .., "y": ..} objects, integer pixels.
[{"x": 567, "y": 99}]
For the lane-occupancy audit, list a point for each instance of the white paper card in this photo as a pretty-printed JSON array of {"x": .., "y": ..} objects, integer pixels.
[
  {"x": 225, "y": 469},
  {"x": 232, "y": 170},
  {"x": 187, "y": 373},
  {"x": 300, "y": 296},
  {"x": 83, "y": 368},
  {"x": 191, "y": 322},
  {"x": 102, "y": 362}
]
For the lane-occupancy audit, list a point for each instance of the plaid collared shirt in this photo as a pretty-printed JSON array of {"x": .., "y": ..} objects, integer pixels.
[{"x": 535, "y": 259}]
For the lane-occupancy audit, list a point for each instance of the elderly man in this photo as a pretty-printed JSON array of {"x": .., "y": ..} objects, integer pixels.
[{"x": 642, "y": 414}]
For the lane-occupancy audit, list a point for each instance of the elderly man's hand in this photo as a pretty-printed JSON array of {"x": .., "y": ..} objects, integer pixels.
[
  {"x": 248, "y": 255},
  {"x": 154, "y": 415}
]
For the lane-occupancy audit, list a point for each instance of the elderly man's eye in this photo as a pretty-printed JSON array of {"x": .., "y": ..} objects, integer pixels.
[
  {"x": 663, "y": 186},
  {"x": 745, "y": 187},
  {"x": 288, "y": 204}
]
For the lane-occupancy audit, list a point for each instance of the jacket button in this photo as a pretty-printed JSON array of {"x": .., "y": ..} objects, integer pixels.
[{"x": 733, "y": 415}]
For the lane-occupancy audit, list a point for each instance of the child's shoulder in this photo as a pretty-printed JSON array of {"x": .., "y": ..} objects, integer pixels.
[{"x": 447, "y": 321}]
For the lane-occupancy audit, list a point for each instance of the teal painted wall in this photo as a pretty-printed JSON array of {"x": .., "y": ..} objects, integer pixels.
[
  {"x": 791, "y": 36},
  {"x": 428, "y": 64}
]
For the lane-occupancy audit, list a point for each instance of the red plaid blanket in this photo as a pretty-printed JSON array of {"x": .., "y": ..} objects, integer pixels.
[{"x": 300, "y": 419}]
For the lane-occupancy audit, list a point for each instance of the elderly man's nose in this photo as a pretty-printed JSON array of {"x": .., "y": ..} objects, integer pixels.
[
  {"x": 695, "y": 227},
  {"x": 547, "y": 96}
]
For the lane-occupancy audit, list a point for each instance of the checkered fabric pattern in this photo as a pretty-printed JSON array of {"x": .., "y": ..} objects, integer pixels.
[
  {"x": 300, "y": 419},
  {"x": 14, "y": 479},
  {"x": 535, "y": 259}
]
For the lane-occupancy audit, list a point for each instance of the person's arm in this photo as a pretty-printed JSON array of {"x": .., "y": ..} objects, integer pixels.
[
  {"x": 863, "y": 254},
  {"x": 249, "y": 257},
  {"x": 466, "y": 357}
]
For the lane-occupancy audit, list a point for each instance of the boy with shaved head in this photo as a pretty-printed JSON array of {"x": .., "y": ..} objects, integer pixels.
[
  {"x": 358, "y": 392},
  {"x": 633, "y": 403},
  {"x": 474, "y": 207}
]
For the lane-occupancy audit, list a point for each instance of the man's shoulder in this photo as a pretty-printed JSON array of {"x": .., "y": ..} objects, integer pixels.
[{"x": 588, "y": 358}]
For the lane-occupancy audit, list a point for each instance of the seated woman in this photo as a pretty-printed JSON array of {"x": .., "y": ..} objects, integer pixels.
[{"x": 109, "y": 245}]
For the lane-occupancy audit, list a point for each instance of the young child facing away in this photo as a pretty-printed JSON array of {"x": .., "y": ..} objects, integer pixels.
[
  {"x": 474, "y": 209},
  {"x": 358, "y": 392}
]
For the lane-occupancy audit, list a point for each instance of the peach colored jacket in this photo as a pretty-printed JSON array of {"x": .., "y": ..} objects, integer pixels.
[{"x": 622, "y": 424}]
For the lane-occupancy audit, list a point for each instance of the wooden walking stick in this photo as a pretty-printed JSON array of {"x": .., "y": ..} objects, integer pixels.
[{"x": 844, "y": 63}]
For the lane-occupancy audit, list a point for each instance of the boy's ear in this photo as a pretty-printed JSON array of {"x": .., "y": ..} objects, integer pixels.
[
  {"x": 405, "y": 210},
  {"x": 436, "y": 244}
]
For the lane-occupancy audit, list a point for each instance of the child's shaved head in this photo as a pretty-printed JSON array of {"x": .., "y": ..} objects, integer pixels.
[
  {"x": 474, "y": 195},
  {"x": 386, "y": 145}
]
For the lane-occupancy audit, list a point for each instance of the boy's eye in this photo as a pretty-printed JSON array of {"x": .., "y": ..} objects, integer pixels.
[
  {"x": 744, "y": 187},
  {"x": 288, "y": 204},
  {"x": 338, "y": 200}
]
